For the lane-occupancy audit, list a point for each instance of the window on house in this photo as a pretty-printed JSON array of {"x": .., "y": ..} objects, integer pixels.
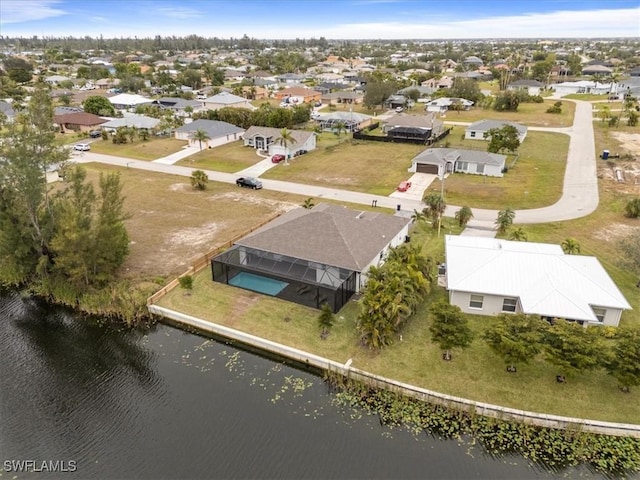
[
  {"x": 476, "y": 301},
  {"x": 480, "y": 168},
  {"x": 462, "y": 166},
  {"x": 509, "y": 304},
  {"x": 599, "y": 313},
  {"x": 473, "y": 135}
]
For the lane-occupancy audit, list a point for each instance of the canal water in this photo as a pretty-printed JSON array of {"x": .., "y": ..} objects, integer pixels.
[{"x": 105, "y": 402}]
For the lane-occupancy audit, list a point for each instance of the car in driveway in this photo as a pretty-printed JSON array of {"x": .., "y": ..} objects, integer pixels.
[
  {"x": 404, "y": 186},
  {"x": 249, "y": 182},
  {"x": 277, "y": 158},
  {"x": 82, "y": 147},
  {"x": 95, "y": 133}
]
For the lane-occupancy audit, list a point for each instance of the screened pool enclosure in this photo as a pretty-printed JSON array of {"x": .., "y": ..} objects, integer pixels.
[{"x": 296, "y": 280}]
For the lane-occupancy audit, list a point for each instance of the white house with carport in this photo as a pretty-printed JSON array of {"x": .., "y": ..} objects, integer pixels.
[
  {"x": 532, "y": 87},
  {"x": 489, "y": 276},
  {"x": 268, "y": 138},
  {"x": 477, "y": 130},
  {"x": 219, "y": 133},
  {"x": 440, "y": 161}
]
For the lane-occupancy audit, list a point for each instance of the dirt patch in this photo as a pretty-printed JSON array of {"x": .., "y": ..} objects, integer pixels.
[
  {"x": 614, "y": 232},
  {"x": 629, "y": 142},
  {"x": 280, "y": 207},
  {"x": 241, "y": 304},
  {"x": 193, "y": 235}
]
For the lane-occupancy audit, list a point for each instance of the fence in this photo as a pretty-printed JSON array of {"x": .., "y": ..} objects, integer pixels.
[
  {"x": 415, "y": 141},
  {"x": 203, "y": 261}
]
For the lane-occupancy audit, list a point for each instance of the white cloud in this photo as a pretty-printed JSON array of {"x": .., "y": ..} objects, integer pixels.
[
  {"x": 14, "y": 11},
  {"x": 179, "y": 12}
]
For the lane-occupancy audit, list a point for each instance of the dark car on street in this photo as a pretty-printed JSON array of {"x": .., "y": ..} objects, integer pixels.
[{"x": 249, "y": 182}]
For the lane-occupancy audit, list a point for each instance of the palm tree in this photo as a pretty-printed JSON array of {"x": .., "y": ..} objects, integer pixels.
[
  {"x": 338, "y": 128},
  {"x": 308, "y": 203},
  {"x": 518, "y": 234},
  {"x": 570, "y": 246},
  {"x": 505, "y": 219},
  {"x": 417, "y": 216},
  {"x": 286, "y": 139},
  {"x": 463, "y": 216},
  {"x": 435, "y": 207},
  {"x": 200, "y": 135}
]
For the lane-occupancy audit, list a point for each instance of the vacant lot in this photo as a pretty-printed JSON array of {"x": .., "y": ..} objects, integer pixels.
[
  {"x": 229, "y": 158},
  {"x": 534, "y": 178},
  {"x": 530, "y": 114},
  {"x": 151, "y": 149}
]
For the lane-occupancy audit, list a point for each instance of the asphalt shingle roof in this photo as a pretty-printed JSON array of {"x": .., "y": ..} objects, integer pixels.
[{"x": 214, "y": 128}]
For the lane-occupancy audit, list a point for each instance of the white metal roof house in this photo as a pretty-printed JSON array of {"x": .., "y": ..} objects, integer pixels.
[
  {"x": 476, "y": 130},
  {"x": 489, "y": 276},
  {"x": 131, "y": 120},
  {"x": 445, "y": 104},
  {"x": 220, "y": 133},
  {"x": 226, "y": 99},
  {"x": 125, "y": 101},
  {"x": 266, "y": 138},
  {"x": 446, "y": 160}
]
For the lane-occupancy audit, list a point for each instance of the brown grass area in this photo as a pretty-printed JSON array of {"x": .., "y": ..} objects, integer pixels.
[{"x": 152, "y": 149}]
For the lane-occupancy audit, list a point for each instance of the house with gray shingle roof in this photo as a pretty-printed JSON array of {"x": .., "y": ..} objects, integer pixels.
[
  {"x": 312, "y": 256},
  {"x": 267, "y": 138},
  {"x": 219, "y": 133},
  {"x": 532, "y": 87},
  {"x": 226, "y": 99},
  {"x": 132, "y": 120},
  {"x": 439, "y": 161},
  {"x": 476, "y": 130}
]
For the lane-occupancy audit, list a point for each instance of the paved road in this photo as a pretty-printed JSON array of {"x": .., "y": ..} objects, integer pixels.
[{"x": 579, "y": 196}]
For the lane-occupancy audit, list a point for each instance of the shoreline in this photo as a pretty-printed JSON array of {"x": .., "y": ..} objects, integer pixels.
[{"x": 326, "y": 365}]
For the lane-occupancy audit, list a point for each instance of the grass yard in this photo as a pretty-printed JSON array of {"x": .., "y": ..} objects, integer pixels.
[
  {"x": 152, "y": 149},
  {"x": 475, "y": 373},
  {"x": 371, "y": 167},
  {"x": 229, "y": 158},
  {"x": 530, "y": 114},
  {"x": 535, "y": 180}
]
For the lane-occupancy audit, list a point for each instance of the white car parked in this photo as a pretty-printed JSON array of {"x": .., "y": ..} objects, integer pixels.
[{"x": 82, "y": 147}]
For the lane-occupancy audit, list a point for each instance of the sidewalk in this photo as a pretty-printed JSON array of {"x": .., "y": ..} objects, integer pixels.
[{"x": 176, "y": 157}]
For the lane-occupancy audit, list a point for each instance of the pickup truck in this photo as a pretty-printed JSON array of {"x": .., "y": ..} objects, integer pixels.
[{"x": 249, "y": 182}]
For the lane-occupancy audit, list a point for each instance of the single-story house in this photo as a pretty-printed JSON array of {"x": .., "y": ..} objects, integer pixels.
[
  {"x": 56, "y": 79},
  {"x": 78, "y": 122},
  {"x": 291, "y": 78},
  {"x": 7, "y": 112},
  {"x": 532, "y": 87},
  {"x": 335, "y": 98},
  {"x": 218, "y": 132},
  {"x": 299, "y": 95},
  {"x": 489, "y": 276},
  {"x": 226, "y": 99},
  {"x": 447, "y": 160},
  {"x": 438, "y": 83},
  {"x": 178, "y": 105},
  {"x": 395, "y": 101},
  {"x": 476, "y": 130},
  {"x": 584, "y": 86},
  {"x": 597, "y": 70},
  {"x": 312, "y": 256},
  {"x": 351, "y": 121},
  {"x": 141, "y": 122},
  {"x": 266, "y": 138},
  {"x": 444, "y": 104},
  {"x": 255, "y": 92},
  {"x": 127, "y": 101},
  {"x": 426, "y": 122}
]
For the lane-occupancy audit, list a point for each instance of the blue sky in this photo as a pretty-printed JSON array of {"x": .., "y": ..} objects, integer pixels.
[{"x": 332, "y": 19}]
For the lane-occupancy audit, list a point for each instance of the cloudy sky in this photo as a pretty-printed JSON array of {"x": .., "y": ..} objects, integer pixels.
[{"x": 332, "y": 19}]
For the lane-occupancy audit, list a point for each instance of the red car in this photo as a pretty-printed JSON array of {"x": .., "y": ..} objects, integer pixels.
[
  {"x": 404, "y": 186},
  {"x": 277, "y": 158}
]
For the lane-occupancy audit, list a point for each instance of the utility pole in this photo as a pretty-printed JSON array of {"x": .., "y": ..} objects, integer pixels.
[{"x": 441, "y": 197}]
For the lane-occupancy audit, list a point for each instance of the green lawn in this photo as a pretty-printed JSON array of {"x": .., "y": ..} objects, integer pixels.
[
  {"x": 229, "y": 158},
  {"x": 475, "y": 373},
  {"x": 151, "y": 149},
  {"x": 530, "y": 114},
  {"x": 534, "y": 180}
]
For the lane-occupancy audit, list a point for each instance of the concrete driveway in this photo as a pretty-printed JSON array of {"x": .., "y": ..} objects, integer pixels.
[{"x": 419, "y": 184}]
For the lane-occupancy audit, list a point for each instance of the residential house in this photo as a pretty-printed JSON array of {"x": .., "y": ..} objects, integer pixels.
[
  {"x": 132, "y": 120},
  {"x": 395, "y": 101},
  {"x": 298, "y": 95},
  {"x": 128, "y": 101},
  {"x": 56, "y": 79},
  {"x": 489, "y": 276},
  {"x": 291, "y": 78},
  {"x": 438, "y": 83},
  {"x": 350, "y": 121},
  {"x": 219, "y": 133},
  {"x": 476, "y": 130},
  {"x": 444, "y": 104},
  {"x": 343, "y": 97},
  {"x": 584, "y": 86},
  {"x": 334, "y": 248},
  {"x": 267, "y": 138},
  {"x": 226, "y": 99},
  {"x": 532, "y": 87},
  {"x": 254, "y": 92},
  {"x": 598, "y": 70},
  {"x": 401, "y": 124},
  {"x": 178, "y": 105},
  {"x": 78, "y": 122},
  {"x": 440, "y": 161}
]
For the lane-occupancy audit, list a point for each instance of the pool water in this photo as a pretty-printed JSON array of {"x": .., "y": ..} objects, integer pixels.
[{"x": 258, "y": 283}]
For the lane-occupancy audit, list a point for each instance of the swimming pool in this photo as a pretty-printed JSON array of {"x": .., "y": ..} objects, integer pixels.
[{"x": 258, "y": 283}]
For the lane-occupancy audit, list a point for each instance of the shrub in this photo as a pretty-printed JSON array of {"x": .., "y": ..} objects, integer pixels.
[
  {"x": 632, "y": 208},
  {"x": 186, "y": 282}
]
